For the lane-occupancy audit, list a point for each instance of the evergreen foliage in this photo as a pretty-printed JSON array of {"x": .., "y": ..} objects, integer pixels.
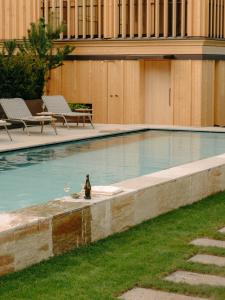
[{"x": 25, "y": 66}]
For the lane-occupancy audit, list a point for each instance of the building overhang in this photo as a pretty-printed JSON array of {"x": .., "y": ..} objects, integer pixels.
[{"x": 194, "y": 49}]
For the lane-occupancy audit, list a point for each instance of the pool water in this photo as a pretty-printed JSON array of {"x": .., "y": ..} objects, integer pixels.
[{"x": 37, "y": 175}]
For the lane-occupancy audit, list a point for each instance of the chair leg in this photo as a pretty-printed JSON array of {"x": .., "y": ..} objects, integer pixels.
[
  {"x": 42, "y": 127},
  {"x": 65, "y": 122},
  {"x": 9, "y": 135},
  {"x": 91, "y": 122},
  {"x": 54, "y": 126},
  {"x": 26, "y": 128}
]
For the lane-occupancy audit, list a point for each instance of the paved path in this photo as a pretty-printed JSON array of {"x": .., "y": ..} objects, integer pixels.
[
  {"x": 196, "y": 279},
  {"x": 208, "y": 243},
  {"x": 208, "y": 260},
  {"x": 222, "y": 230},
  {"x": 148, "y": 294},
  {"x": 190, "y": 278}
]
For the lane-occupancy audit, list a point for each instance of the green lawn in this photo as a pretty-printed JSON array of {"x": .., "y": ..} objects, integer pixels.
[{"x": 141, "y": 256}]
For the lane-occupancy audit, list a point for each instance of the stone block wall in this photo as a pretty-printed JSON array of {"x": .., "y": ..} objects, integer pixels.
[{"x": 31, "y": 235}]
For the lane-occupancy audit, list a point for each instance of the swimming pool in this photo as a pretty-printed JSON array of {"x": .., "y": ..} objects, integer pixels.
[{"x": 37, "y": 175}]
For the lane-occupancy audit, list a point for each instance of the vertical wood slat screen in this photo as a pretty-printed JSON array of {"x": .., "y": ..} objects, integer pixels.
[
  {"x": 217, "y": 18},
  {"x": 16, "y": 16},
  {"x": 119, "y": 18},
  {"x": 108, "y": 19}
]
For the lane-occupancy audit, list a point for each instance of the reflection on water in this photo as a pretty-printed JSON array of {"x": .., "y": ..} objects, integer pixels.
[
  {"x": 27, "y": 158},
  {"x": 37, "y": 175}
]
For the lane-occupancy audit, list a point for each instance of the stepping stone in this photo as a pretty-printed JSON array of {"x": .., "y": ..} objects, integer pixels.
[
  {"x": 222, "y": 230},
  {"x": 208, "y": 260},
  {"x": 208, "y": 243},
  {"x": 196, "y": 279},
  {"x": 148, "y": 294}
]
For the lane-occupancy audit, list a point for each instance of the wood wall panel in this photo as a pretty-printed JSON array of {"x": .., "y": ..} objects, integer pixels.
[
  {"x": 99, "y": 91},
  {"x": 133, "y": 92},
  {"x": 208, "y": 83},
  {"x": 195, "y": 84},
  {"x": 138, "y": 91},
  {"x": 220, "y": 93},
  {"x": 68, "y": 80},
  {"x": 54, "y": 85},
  {"x": 83, "y": 81},
  {"x": 158, "y": 104},
  {"x": 181, "y": 92},
  {"x": 16, "y": 16},
  {"x": 193, "y": 92}
]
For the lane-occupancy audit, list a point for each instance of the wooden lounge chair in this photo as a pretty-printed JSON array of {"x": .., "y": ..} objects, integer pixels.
[
  {"x": 59, "y": 108},
  {"x": 5, "y": 124},
  {"x": 17, "y": 111}
]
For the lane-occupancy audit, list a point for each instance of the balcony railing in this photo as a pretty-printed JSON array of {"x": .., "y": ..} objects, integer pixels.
[
  {"x": 216, "y": 18},
  {"x": 117, "y": 19},
  {"x": 124, "y": 19}
]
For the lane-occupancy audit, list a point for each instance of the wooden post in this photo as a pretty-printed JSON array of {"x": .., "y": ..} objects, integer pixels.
[
  {"x": 99, "y": 18},
  {"x": 174, "y": 18},
  {"x": 106, "y": 18},
  {"x": 214, "y": 18},
  {"x": 61, "y": 16},
  {"x": 211, "y": 19},
  {"x": 92, "y": 19},
  {"x": 157, "y": 21},
  {"x": 124, "y": 23},
  {"x": 221, "y": 18},
  {"x": 183, "y": 18},
  {"x": 132, "y": 18},
  {"x": 46, "y": 11},
  {"x": 115, "y": 19},
  {"x": 76, "y": 21},
  {"x": 68, "y": 19},
  {"x": 224, "y": 19},
  {"x": 165, "y": 19},
  {"x": 84, "y": 19},
  {"x": 140, "y": 18}
]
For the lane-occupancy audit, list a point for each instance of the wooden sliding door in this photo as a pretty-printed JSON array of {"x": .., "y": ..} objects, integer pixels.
[{"x": 158, "y": 100}]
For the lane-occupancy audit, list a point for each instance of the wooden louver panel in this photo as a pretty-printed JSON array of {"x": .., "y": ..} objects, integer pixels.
[{"x": 126, "y": 19}]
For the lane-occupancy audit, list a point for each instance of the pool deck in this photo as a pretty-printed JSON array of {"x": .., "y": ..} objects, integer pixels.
[{"x": 21, "y": 140}]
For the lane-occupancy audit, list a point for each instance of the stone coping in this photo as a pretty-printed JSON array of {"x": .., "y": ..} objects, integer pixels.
[{"x": 33, "y": 234}]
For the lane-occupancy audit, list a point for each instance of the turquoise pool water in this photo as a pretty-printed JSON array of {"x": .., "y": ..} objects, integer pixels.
[{"x": 35, "y": 176}]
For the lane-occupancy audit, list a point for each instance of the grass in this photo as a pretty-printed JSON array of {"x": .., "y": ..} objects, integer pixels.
[{"x": 142, "y": 256}]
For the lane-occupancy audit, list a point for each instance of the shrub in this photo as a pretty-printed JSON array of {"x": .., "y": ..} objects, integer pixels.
[
  {"x": 74, "y": 106},
  {"x": 25, "y": 66}
]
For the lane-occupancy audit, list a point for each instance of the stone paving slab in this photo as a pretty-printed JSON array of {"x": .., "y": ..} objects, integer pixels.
[
  {"x": 208, "y": 260},
  {"x": 208, "y": 243},
  {"x": 196, "y": 279},
  {"x": 149, "y": 294},
  {"x": 222, "y": 230}
]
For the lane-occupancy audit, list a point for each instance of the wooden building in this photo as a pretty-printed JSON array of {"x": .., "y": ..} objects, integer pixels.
[{"x": 135, "y": 61}]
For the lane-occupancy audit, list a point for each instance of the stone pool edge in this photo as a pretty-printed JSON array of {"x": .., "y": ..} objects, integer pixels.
[{"x": 31, "y": 235}]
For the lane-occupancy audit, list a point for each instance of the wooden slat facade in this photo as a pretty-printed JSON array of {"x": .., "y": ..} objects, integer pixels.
[
  {"x": 117, "y": 19},
  {"x": 163, "y": 90},
  {"x": 16, "y": 16}
]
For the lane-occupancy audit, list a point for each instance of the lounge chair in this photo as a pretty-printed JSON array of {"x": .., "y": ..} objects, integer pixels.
[
  {"x": 17, "y": 111},
  {"x": 5, "y": 124},
  {"x": 59, "y": 108}
]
